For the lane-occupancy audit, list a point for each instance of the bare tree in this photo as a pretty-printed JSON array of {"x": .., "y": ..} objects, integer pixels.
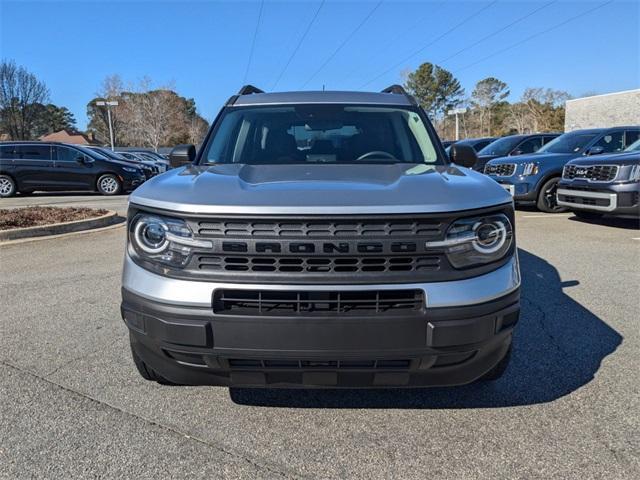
[
  {"x": 520, "y": 117},
  {"x": 20, "y": 92},
  {"x": 111, "y": 89},
  {"x": 197, "y": 128},
  {"x": 485, "y": 96},
  {"x": 154, "y": 115},
  {"x": 546, "y": 106}
]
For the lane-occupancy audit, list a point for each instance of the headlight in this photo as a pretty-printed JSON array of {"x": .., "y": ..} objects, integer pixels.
[
  {"x": 634, "y": 173},
  {"x": 164, "y": 240},
  {"x": 131, "y": 170},
  {"x": 476, "y": 241},
  {"x": 530, "y": 169}
]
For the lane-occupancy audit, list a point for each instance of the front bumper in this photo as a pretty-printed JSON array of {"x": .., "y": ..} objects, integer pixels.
[
  {"x": 462, "y": 333},
  {"x": 522, "y": 189},
  {"x": 131, "y": 183},
  {"x": 614, "y": 199}
]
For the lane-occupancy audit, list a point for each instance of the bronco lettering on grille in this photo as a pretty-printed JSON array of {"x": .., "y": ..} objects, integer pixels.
[{"x": 319, "y": 247}]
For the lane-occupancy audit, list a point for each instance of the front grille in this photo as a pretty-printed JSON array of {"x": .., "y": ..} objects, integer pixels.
[
  {"x": 317, "y": 303},
  {"x": 387, "y": 228},
  {"x": 593, "y": 173},
  {"x": 594, "y": 202},
  {"x": 323, "y": 249},
  {"x": 321, "y": 265},
  {"x": 500, "y": 169}
]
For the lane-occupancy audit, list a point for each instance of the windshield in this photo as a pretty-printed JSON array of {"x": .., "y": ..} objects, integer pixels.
[
  {"x": 634, "y": 147},
  {"x": 308, "y": 134},
  {"x": 500, "y": 147},
  {"x": 131, "y": 157},
  {"x": 91, "y": 152},
  {"x": 108, "y": 153},
  {"x": 572, "y": 142}
]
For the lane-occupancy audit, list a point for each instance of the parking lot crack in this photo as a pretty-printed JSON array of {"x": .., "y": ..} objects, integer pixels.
[
  {"x": 270, "y": 469},
  {"x": 542, "y": 318}
]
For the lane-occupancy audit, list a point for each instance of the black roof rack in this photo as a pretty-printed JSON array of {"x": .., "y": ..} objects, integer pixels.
[
  {"x": 399, "y": 90},
  {"x": 249, "y": 89}
]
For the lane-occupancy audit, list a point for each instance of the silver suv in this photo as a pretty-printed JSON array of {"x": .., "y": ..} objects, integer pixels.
[{"x": 321, "y": 239}]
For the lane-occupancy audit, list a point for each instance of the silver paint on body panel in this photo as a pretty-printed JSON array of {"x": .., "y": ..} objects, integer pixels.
[
  {"x": 320, "y": 189},
  {"x": 469, "y": 291}
]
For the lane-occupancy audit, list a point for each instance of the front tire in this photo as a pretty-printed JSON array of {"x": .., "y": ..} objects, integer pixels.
[
  {"x": 146, "y": 371},
  {"x": 7, "y": 186},
  {"x": 109, "y": 184},
  {"x": 547, "y": 200}
]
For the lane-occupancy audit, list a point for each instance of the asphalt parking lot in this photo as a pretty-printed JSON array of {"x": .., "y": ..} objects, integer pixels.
[{"x": 72, "y": 404}]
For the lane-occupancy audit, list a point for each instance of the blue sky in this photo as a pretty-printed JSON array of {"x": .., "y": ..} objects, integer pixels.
[{"x": 203, "y": 47}]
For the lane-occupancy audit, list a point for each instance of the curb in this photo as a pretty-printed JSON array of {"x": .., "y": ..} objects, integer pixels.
[{"x": 58, "y": 229}]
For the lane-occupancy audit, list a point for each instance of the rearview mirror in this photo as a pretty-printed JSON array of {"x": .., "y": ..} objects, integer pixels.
[
  {"x": 463, "y": 155},
  {"x": 597, "y": 150},
  {"x": 182, "y": 155}
]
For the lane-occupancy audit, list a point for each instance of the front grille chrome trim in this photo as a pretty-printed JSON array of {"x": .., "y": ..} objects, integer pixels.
[{"x": 611, "y": 197}]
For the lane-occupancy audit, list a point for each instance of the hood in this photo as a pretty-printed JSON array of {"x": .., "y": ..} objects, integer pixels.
[
  {"x": 536, "y": 157},
  {"x": 121, "y": 163},
  {"x": 486, "y": 158},
  {"x": 621, "y": 158},
  {"x": 320, "y": 189}
]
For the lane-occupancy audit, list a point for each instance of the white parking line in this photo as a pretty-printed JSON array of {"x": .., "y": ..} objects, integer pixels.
[
  {"x": 636, "y": 238},
  {"x": 555, "y": 215}
]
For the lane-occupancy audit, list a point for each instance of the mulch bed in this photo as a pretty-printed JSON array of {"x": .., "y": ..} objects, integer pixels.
[{"x": 37, "y": 216}]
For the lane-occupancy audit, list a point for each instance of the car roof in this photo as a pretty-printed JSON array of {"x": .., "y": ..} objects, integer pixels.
[
  {"x": 475, "y": 140},
  {"x": 284, "y": 98},
  {"x": 607, "y": 129}
]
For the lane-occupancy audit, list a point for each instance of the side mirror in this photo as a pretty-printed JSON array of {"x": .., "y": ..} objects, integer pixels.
[
  {"x": 182, "y": 155},
  {"x": 516, "y": 152},
  {"x": 463, "y": 155},
  {"x": 597, "y": 150},
  {"x": 84, "y": 159}
]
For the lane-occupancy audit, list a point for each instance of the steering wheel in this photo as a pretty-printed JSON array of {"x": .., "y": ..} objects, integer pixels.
[{"x": 376, "y": 152}]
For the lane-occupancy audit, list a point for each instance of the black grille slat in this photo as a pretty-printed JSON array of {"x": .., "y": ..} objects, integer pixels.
[
  {"x": 594, "y": 173},
  {"x": 314, "y": 264},
  {"x": 318, "y": 229},
  {"x": 329, "y": 364},
  {"x": 269, "y": 302}
]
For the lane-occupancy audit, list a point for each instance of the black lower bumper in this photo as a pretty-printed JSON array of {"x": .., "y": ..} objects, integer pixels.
[{"x": 442, "y": 346}]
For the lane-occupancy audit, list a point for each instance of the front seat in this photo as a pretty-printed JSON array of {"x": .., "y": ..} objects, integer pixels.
[{"x": 280, "y": 147}]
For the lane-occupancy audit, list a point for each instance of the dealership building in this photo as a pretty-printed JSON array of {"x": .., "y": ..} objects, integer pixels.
[{"x": 600, "y": 111}]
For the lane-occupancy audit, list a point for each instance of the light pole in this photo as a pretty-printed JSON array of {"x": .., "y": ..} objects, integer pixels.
[
  {"x": 456, "y": 112},
  {"x": 109, "y": 104}
]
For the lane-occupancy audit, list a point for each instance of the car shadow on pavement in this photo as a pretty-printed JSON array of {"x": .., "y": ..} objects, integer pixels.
[
  {"x": 558, "y": 347},
  {"x": 615, "y": 222}
]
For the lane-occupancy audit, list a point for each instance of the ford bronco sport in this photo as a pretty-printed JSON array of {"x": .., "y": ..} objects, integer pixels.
[{"x": 321, "y": 239}]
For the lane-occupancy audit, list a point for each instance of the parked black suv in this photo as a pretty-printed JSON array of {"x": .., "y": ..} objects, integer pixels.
[
  {"x": 29, "y": 166},
  {"x": 512, "y": 145},
  {"x": 476, "y": 143},
  {"x": 150, "y": 169}
]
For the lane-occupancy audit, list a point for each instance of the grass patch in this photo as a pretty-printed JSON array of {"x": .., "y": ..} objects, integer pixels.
[{"x": 37, "y": 216}]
